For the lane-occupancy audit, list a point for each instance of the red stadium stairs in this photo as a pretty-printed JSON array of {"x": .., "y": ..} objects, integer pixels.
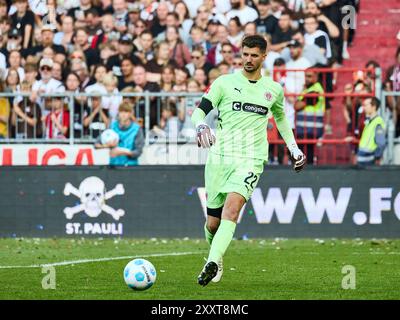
[{"x": 378, "y": 23}]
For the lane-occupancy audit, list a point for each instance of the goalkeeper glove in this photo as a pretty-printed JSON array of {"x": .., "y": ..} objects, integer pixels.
[
  {"x": 205, "y": 136},
  {"x": 298, "y": 158}
]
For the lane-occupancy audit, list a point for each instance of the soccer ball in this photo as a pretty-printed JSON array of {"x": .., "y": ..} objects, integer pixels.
[
  {"x": 140, "y": 274},
  {"x": 108, "y": 136}
]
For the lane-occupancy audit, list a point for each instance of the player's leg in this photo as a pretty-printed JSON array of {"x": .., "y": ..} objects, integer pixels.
[
  {"x": 210, "y": 228},
  {"x": 243, "y": 178},
  {"x": 212, "y": 223},
  {"x": 222, "y": 238}
]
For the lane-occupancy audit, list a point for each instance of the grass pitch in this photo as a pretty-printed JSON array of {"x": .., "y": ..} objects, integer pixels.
[{"x": 253, "y": 269}]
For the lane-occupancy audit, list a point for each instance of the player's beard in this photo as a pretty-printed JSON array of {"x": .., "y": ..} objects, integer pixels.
[{"x": 251, "y": 68}]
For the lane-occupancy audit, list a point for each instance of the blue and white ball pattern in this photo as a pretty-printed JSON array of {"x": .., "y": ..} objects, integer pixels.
[{"x": 140, "y": 274}]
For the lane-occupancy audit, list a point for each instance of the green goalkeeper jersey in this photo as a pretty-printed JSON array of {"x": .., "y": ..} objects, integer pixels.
[{"x": 243, "y": 110}]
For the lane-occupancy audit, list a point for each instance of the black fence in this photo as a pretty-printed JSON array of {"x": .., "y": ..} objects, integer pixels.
[{"x": 169, "y": 201}]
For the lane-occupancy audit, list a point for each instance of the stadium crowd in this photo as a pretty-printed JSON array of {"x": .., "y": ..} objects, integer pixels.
[{"x": 120, "y": 46}]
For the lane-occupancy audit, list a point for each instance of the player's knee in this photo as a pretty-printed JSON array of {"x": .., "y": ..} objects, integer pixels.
[
  {"x": 212, "y": 226},
  {"x": 231, "y": 213}
]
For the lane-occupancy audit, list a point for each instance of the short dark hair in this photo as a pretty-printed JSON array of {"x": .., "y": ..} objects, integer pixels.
[
  {"x": 255, "y": 41},
  {"x": 375, "y": 102}
]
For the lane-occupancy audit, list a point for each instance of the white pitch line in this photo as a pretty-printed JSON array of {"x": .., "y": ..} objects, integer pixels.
[{"x": 64, "y": 263}]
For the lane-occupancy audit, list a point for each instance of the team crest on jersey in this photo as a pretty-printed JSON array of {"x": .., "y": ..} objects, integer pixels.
[{"x": 268, "y": 96}]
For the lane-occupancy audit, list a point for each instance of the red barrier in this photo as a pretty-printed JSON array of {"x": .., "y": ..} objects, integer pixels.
[{"x": 331, "y": 136}]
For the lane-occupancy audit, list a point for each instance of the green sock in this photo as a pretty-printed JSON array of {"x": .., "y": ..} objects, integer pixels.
[
  {"x": 221, "y": 240},
  {"x": 208, "y": 234}
]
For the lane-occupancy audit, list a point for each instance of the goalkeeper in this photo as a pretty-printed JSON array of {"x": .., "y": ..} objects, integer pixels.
[{"x": 244, "y": 101}]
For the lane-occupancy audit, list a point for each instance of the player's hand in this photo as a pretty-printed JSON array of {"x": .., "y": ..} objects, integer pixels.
[
  {"x": 205, "y": 136},
  {"x": 298, "y": 159}
]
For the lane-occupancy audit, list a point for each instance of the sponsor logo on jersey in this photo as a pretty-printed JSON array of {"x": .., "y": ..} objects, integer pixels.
[{"x": 249, "y": 107}]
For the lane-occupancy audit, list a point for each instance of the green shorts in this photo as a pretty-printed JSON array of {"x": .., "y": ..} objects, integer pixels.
[{"x": 226, "y": 174}]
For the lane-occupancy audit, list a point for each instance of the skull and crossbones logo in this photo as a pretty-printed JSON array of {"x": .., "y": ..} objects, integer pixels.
[{"x": 93, "y": 196}]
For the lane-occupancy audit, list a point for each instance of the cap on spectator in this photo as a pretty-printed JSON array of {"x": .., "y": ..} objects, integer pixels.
[
  {"x": 214, "y": 21},
  {"x": 14, "y": 33},
  {"x": 295, "y": 44},
  {"x": 133, "y": 7},
  {"x": 48, "y": 27},
  {"x": 126, "y": 38},
  {"x": 46, "y": 62}
]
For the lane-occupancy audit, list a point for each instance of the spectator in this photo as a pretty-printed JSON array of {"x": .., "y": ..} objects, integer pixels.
[
  {"x": 46, "y": 85},
  {"x": 198, "y": 39},
  {"x": 353, "y": 112},
  {"x": 235, "y": 32},
  {"x": 12, "y": 83},
  {"x": 167, "y": 78},
  {"x": 131, "y": 139},
  {"x": 31, "y": 72},
  {"x": 198, "y": 61},
  {"x": 126, "y": 80},
  {"x": 237, "y": 63},
  {"x": 283, "y": 33},
  {"x": 57, "y": 121},
  {"x": 107, "y": 31},
  {"x": 47, "y": 36},
  {"x": 125, "y": 47},
  {"x": 133, "y": 16},
  {"x": 120, "y": 15},
  {"x": 178, "y": 50},
  {"x": 14, "y": 43},
  {"x": 107, "y": 53},
  {"x": 324, "y": 23},
  {"x": 214, "y": 56},
  {"x": 159, "y": 24},
  {"x": 112, "y": 101},
  {"x": 373, "y": 137},
  {"x": 57, "y": 72},
  {"x": 162, "y": 58},
  {"x": 81, "y": 40},
  {"x": 310, "y": 114},
  {"x": 181, "y": 77},
  {"x": 99, "y": 73},
  {"x": 26, "y": 117},
  {"x": 392, "y": 83},
  {"x": 93, "y": 23},
  {"x": 183, "y": 15},
  {"x": 78, "y": 13},
  {"x": 266, "y": 22},
  {"x": 14, "y": 62},
  {"x": 96, "y": 118},
  {"x": 250, "y": 29},
  {"x": 203, "y": 17},
  {"x": 170, "y": 125},
  {"x": 80, "y": 68},
  {"x": 142, "y": 85},
  {"x": 144, "y": 45},
  {"x": 173, "y": 21},
  {"x": 295, "y": 80},
  {"x": 201, "y": 77},
  {"x": 23, "y": 20},
  {"x": 72, "y": 84},
  {"x": 242, "y": 11},
  {"x": 310, "y": 51},
  {"x": 212, "y": 75},
  {"x": 4, "y": 112},
  {"x": 315, "y": 36}
]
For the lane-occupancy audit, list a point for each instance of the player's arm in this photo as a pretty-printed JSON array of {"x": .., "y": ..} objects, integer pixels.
[
  {"x": 298, "y": 158},
  {"x": 211, "y": 99}
]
